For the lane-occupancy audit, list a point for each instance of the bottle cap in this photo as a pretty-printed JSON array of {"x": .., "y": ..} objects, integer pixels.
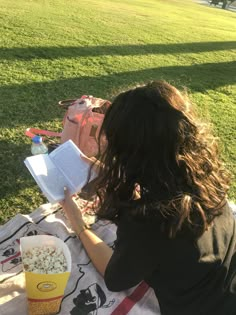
[{"x": 37, "y": 139}]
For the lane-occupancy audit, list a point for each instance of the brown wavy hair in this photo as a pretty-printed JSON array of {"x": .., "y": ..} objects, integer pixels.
[{"x": 156, "y": 145}]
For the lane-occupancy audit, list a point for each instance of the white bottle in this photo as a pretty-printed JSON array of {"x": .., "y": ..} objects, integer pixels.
[{"x": 38, "y": 147}]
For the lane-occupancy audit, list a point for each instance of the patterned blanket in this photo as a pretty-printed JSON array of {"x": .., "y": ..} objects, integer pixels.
[{"x": 86, "y": 292}]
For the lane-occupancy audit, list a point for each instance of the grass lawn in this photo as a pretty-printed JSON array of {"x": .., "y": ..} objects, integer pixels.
[{"x": 57, "y": 49}]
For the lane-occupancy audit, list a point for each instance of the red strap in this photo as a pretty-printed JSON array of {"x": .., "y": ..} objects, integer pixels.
[{"x": 31, "y": 132}]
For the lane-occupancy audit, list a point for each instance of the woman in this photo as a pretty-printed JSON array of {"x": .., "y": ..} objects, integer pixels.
[{"x": 178, "y": 233}]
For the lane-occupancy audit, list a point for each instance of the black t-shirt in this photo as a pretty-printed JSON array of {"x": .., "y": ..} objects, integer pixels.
[{"x": 189, "y": 277}]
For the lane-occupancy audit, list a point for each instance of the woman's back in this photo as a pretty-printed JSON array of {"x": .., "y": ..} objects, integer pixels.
[
  {"x": 199, "y": 277},
  {"x": 189, "y": 277}
]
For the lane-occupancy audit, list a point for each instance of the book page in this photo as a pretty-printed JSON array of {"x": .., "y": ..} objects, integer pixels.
[
  {"x": 67, "y": 158},
  {"x": 48, "y": 177}
]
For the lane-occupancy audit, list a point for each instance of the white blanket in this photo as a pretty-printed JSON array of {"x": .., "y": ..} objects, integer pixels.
[{"x": 86, "y": 292}]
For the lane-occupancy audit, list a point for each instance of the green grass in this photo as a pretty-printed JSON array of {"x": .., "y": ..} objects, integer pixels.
[{"x": 57, "y": 49}]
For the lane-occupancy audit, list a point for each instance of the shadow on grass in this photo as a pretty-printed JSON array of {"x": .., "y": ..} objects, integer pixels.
[
  {"x": 34, "y": 103},
  {"x": 14, "y": 174},
  {"x": 19, "y": 192},
  {"x": 28, "y": 53}
]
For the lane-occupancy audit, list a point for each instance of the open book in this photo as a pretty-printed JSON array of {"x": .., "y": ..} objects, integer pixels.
[{"x": 62, "y": 167}]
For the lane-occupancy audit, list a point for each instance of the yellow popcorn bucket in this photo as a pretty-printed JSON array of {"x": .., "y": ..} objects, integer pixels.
[{"x": 45, "y": 291}]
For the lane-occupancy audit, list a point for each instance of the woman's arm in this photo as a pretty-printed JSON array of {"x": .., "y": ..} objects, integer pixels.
[
  {"x": 135, "y": 255},
  {"x": 98, "y": 251}
]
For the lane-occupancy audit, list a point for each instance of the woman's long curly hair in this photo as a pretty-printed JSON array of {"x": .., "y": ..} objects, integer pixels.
[{"x": 156, "y": 145}]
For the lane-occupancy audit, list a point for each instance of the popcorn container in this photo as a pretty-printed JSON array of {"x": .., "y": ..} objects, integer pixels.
[{"x": 45, "y": 287}]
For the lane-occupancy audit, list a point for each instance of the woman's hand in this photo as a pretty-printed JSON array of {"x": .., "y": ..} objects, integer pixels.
[
  {"x": 99, "y": 252},
  {"x": 72, "y": 212}
]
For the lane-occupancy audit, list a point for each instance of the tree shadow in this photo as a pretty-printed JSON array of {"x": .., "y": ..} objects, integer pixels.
[
  {"x": 14, "y": 175},
  {"x": 35, "y": 103},
  {"x": 29, "y": 53}
]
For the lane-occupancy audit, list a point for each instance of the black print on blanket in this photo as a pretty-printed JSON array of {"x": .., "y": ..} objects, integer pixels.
[
  {"x": 90, "y": 300},
  {"x": 10, "y": 259},
  {"x": 90, "y": 295},
  {"x": 11, "y": 256}
]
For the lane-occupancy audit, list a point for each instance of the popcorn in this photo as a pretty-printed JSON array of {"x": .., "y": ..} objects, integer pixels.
[
  {"x": 47, "y": 267},
  {"x": 44, "y": 260}
]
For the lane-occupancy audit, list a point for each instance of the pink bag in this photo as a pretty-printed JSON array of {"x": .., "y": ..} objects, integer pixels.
[{"x": 81, "y": 123}]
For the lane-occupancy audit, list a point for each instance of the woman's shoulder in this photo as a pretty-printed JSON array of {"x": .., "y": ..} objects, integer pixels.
[
  {"x": 156, "y": 225},
  {"x": 226, "y": 219}
]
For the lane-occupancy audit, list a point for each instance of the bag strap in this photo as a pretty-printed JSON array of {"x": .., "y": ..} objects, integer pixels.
[
  {"x": 31, "y": 132},
  {"x": 68, "y": 102},
  {"x": 102, "y": 108}
]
